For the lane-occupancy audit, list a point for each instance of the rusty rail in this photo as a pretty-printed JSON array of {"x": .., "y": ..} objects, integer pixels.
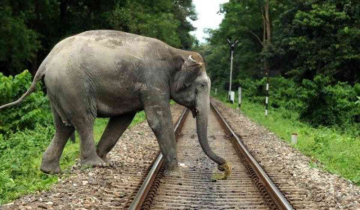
[
  {"x": 279, "y": 199},
  {"x": 263, "y": 182},
  {"x": 149, "y": 180}
]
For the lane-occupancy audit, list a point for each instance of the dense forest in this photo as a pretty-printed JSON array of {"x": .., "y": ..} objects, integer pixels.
[
  {"x": 29, "y": 29},
  {"x": 310, "y": 48}
]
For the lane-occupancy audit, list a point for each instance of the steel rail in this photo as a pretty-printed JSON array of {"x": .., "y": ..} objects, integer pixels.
[
  {"x": 145, "y": 187},
  {"x": 271, "y": 188}
]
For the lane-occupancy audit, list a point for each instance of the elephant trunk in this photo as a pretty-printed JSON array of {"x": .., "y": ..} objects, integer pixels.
[
  {"x": 202, "y": 114},
  {"x": 201, "y": 124}
]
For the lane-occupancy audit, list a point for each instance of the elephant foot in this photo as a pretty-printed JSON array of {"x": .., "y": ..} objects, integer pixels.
[
  {"x": 50, "y": 168},
  {"x": 104, "y": 158},
  {"x": 94, "y": 161},
  {"x": 108, "y": 161}
]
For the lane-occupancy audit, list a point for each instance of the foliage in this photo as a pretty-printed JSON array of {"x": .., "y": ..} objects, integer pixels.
[
  {"x": 317, "y": 102},
  {"x": 284, "y": 93},
  {"x": 35, "y": 110},
  {"x": 313, "y": 48},
  {"x": 328, "y": 149},
  {"x": 309, "y": 38},
  {"x": 15, "y": 51},
  {"x": 320, "y": 38},
  {"x": 243, "y": 21},
  {"x": 30, "y": 29},
  {"x": 329, "y": 105},
  {"x": 21, "y": 174}
]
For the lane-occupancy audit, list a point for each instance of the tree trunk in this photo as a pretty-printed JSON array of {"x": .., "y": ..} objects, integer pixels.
[
  {"x": 63, "y": 11},
  {"x": 267, "y": 20}
]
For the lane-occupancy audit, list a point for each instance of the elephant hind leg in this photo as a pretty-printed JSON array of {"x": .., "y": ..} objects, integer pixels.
[
  {"x": 84, "y": 124},
  {"x": 114, "y": 129},
  {"x": 51, "y": 157}
]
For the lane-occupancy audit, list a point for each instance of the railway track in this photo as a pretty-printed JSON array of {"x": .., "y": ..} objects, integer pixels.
[{"x": 248, "y": 187}]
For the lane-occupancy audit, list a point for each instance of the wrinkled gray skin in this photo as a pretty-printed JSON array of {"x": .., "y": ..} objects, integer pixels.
[{"x": 115, "y": 74}]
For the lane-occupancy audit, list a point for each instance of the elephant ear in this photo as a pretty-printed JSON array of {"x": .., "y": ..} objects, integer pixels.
[{"x": 190, "y": 69}]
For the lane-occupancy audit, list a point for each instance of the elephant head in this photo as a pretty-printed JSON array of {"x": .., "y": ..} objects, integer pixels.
[{"x": 191, "y": 88}]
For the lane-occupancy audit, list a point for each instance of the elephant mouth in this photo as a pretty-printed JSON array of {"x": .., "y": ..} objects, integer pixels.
[{"x": 194, "y": 112}]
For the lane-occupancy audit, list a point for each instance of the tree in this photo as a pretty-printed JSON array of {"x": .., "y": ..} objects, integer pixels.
[
  {"x": 40, "y": 24},
  {"x": 320, "y": 38},
  {"x": 249, "y": 21}
]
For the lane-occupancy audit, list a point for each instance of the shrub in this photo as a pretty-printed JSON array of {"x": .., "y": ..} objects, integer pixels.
[
  {"x": 34, "y": 110},
  {"x": 318, "y": 102},
  {"x": 20, "y": 155},
  {"x": 329, "y": 105},
  {"x": 254, "y": 90},
  {"x": 283, "y": 92}
]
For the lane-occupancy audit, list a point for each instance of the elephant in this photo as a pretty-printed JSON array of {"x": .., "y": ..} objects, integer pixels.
[{"x": 114, "y": 74}]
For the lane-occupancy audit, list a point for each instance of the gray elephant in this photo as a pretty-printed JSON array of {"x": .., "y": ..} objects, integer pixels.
[{"x": 112, "y": 74}]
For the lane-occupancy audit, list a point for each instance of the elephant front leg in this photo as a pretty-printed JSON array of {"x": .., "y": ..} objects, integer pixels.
[{"x": 160, "y": 121}]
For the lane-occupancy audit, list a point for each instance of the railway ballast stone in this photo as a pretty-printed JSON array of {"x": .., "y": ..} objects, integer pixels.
[{"x": 324, "y": 190}]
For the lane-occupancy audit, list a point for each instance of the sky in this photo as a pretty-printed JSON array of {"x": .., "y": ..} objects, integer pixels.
[{"x": 207, "y": 17}]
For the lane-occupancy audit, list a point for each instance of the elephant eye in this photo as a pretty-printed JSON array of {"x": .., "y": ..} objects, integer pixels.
[{"x": 201, "y": 87}]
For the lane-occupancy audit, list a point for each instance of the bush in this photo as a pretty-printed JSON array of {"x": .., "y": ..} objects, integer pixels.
[
  {"x": 318, "y": 102},
  {"x": 329, "y": 105},
  {"x": 25, "y": 131},
  {"x": 34, "y": 110},
  {"x": 20, "y": 156},
  {"x": 283, "y": 92},
  {"x": 254, "y": 90}
]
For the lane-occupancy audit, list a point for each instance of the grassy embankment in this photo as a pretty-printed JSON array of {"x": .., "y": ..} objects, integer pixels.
[{"x": 337, "y": 152}]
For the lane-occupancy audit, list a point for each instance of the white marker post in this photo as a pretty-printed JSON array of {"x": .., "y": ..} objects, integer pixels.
[
  {"x": 232, "y": 97},
  {"x": 215, "y": 91},
  {"x": 232, "y": 49},
  {"x": 267, "y": 99},
  {"x": 231, "y": 70},
  {"x": 239, "y": 99},
  {"x": 294, "y": 138}
]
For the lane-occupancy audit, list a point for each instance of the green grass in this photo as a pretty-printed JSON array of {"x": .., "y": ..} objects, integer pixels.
[
  {"x": 337, "y": 152},
  {"x": 20, "y": 159}
]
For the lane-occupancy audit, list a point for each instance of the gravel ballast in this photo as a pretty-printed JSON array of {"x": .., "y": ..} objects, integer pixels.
[{"x": 289, "y": 168}]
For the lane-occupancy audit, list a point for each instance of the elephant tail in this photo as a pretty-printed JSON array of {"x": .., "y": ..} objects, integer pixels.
[{"x": 32, "y": 88}]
